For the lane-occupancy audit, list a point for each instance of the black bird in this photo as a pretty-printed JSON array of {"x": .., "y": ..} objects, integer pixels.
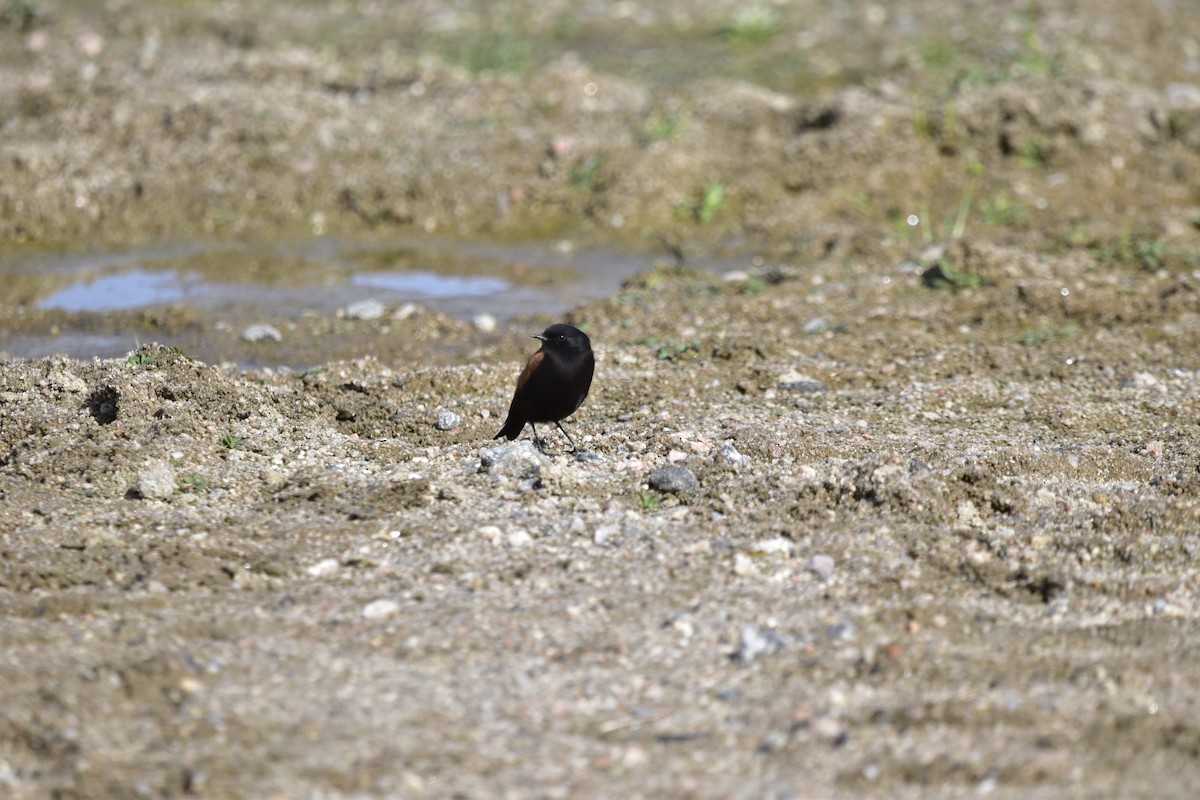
[{"x": 553, "y": 384}]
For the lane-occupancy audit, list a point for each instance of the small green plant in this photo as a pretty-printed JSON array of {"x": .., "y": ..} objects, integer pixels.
[
  {"x": 672, "y": 352},
  {"x": 1031, "y": 59},
  {"x": 21, "y": 15},
  {"x": 231, "y": 442},
  {"x": 1140, "y": 249},
  {"x": 1150, "y": 254},
  {"x": 703, "y": 210},
  {"x": 999, "y": 211},
  {"x": 585, "y": 171},
  {"x": 753, "y": 286},
  {"x": 664, "y": 127},
  {"x": 505, "y": 54},
  {"x": 1034, "y": 154},
  {"x": 939, "y": 54},
  {"x": 140, "y": 359},
  {"x": 944, "y": 275},
  {"x": 196, "y": 484},
  {"x": 654, "y": 280},
  {"x": 649, "y": 502},
  {"x": 502, "y": 46},
  {"x": 752, "y": 24}
]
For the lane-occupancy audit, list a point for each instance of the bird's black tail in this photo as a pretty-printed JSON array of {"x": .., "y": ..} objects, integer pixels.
[{"x": 512, "y": 428}]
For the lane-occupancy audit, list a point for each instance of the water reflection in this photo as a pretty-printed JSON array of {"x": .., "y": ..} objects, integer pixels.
[
  {"x": 429, "y": 284},
  {"x": 121, "y": 292}
]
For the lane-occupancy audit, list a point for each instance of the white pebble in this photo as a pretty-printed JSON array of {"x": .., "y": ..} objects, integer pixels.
[
  {"x": 730, "y": 455},
  {"x": 379, "y": 609},
  {"x": 262, "y": 332},
  {"x": 820, "y": 565},
  {"x": 775, "y": 546},
  {"x": 405, "y": 311},
  {"x": 156, "y": 481},
  {"x": 447, "y": 421},
  {"x": 605, "y": 534},
  {"x": 324, "y": 568},
  {"x": 365, "y": 310}
]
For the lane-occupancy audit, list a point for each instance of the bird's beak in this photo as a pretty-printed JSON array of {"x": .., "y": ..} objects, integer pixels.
[{"x": 539, "y": 337}]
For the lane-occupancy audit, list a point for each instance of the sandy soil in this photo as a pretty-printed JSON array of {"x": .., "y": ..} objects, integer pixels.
[{"x": 934, "y": 521}]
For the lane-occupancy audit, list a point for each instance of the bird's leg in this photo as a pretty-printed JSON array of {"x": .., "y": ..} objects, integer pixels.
[
  {"x": 574, "y": 449},
  {"x": 538, "y": 443}
]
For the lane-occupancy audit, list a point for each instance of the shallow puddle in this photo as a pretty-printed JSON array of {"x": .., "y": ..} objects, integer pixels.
[{"x": 81, "y": 305}]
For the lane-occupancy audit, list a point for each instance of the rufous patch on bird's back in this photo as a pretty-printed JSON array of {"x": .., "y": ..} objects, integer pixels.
[{"x": 530, "y": 368}]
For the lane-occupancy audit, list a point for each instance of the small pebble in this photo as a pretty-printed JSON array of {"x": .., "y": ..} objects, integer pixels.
[
  {"x": 519, "y": 538},
  {"x": 605, "y": 534},
  {"x": 365, "y": 310},
  {"x": 447, "y": 421},
  {"x": 520, "y": 460},
  {"x": 484, "y": 323},
  {"x": 378, "y": 609},
  {"x": 261, "y": 332},
  {"x": 795, "y": 382},
  {"x": 405, "y": 311},
  {"x": 775, "y": 546},
  {"x": 730, "y": 455},
  {"x": 674, "y": 479},
  {"x": 90, "y": 44},
  {"x": 841, "y": 632},
  {"x": 1140, "y": 380},
  {"x": 816, "y": 325},
  {"x": 156, "y": 481},
  {"x": 755, "y": 642},
  {"x": 828, "y": 728},
  {"x": 820, "y": 565},
  {"x": 744, "y": 566},
  {"x": 323, "y": 568}
]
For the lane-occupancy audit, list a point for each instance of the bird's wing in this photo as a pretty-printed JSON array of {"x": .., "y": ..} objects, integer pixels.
[{"x": 531, "y": 367}]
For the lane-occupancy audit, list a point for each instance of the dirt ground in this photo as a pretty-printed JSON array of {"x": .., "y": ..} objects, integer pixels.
[{"x": 934, "y": 514}]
